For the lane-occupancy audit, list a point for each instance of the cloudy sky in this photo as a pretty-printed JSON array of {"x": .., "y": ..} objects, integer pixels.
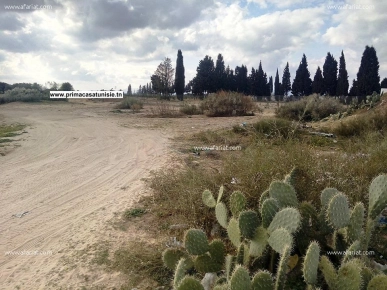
[{"x": 103, "y": 44}]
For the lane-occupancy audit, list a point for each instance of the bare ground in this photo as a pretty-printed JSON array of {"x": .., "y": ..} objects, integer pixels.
[{"x": 78, "y": 165}]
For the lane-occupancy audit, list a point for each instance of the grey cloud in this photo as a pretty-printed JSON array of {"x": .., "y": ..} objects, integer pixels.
[
  {"x": 10, "y": 22},
  {"x": 28, "y": 5},
  {"x": 24, "y": 42}
]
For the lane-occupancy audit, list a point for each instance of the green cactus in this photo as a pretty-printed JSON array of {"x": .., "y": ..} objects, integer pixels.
[
  {"x": 240, "y": 255},
  {"x": 195, "y": 242},
  {"x": 291, "y": 177},
  {"x": 283, "y": 193},
  {"x": 221, "y": 214},
  {"x": 221, "y": 287},
  {"x": 349, "y": 277},
  {"x": 181, "y": 269},
  {"x": 220, "y": 194},
  {"x": 262, "y": 280},
  {"x": 268, "y": 210},
  {"x": 172, "y": 256},
  {"x": 354, "y": 248},
  {"x": 234, "y": 233},
  {"x": 378, "y": 282},
  {"x": 282, "y": 269},
  {"x": 205, "y": 264},
  {"x": 208, "y": 198},
  {"x": 377, "y": 196},
  {"x": 368, "y": 233},
  {"x": 311, "y": 263},
  {"x": 279, "y": 239},
  {"x": 326, "y": 195},
  {"x": 240, "y": 279},
  {"x": 248, "y": 223},
  {"x": 259, "y": 242},
  {"x": 338, "y": 213},
  {"x": 190, "y": 283},
  {"x": 229, "y": 266},
  {"x": 329, "y": 272},
  {"x": 366, "y": 276},
  {"x": 217, "y": 251},
  {"x": 287, "y": 218},
  {"x": 265, "y": 195},
  {"x": 356, "y": 221},
  {"x": 308, "y": 213},
  {"x": 237, "y": 203},
  {"x": 339, "y": 243}
]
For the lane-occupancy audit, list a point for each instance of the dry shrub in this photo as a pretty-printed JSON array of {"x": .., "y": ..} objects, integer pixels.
[{"x": 224, "y": 104}]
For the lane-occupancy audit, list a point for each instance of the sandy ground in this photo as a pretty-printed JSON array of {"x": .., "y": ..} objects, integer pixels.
[
  {"x": 73, "y": 170},
  {"x": 77, "y": 165}
]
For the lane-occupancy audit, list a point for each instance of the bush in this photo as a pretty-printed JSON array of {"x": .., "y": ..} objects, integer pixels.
[
  {"x": 190, "y": 109},
  {"x": 23, "y": 95},
  {"x": 130, "y": 103},
  {"x": 312, "y": 108},
  {"x": 165, "y": 109},
  {"x": 275, "y": 128},
  {"x": 224, "y": 104}
]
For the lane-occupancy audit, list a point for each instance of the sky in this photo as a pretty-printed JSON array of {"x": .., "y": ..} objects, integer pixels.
[{"x": 104, "y": 44}]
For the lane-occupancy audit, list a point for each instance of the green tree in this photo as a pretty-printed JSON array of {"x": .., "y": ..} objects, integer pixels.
[
  {"x": 302, "y": 84},
  {"x": 330, "y": 75},
  {"x": 241, "y": 79},
  {"x": 270, "y": 87},
  {"x": 342, "y": 79},
  {"x": 383, "y": 84},
  {"x": 318, "y": 82},
  {"x": 220, "y": 74},
  {"x": 277, "y": 88},
  {"x": 66, "y": 87},
  {"x": 179, "y": 76},
  {"x": 368, "y": 76},
  {"x": 162, "y": 80},
  {"x": 353, "y": 92},
  {"x": 130, "y": 90},
  {"x": 286, "y": 84}
]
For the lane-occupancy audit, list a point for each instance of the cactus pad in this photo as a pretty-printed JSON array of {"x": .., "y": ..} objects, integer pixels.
[
  {"x": 220, "y": 194},
  {"x": 311, "y": 263},
  {"x": 182, "y": 266},
  {"x": 284, "y": 193},
  {"x": 282, "y": 268},
  {"x": 217, "y": 251},
  {"x": 265, "y": 195},
  {"x": 259, "y": 242},
  {"x": 378, "y": 282},
  {"x": 355, "y": 247},
  {"x": 195, "y": 242},
  {"x": 279, "y": 239},
  {"x": 190, "y": 283},
  {"x": 329, "y": 272},
  {"x": 208, "y": 198},
  {"x": 338, "y": 213},
  {"x": 172, "y": 256},
  {"x": 221, "y": 214},
  {"x": 268, "y": 211},
  {"x": 262, "y": 281},
  {"x": 326, "y": 196},
  {"x": 234, "y": 233},
  {"x": 356, "y": 221},
  {"x": 378, "y": 196},
  {"x": 229, "y": 266},
  {"x": 308, "y": 214},
  {"x": 240, "y": 279},
  {"x": 248, "y": 223},
  {"x": 349, "y": 277},
  {"x": 287, "y": 218},
  {"x": 205, "y": 264},
  {"x": 237, "y": 203}
]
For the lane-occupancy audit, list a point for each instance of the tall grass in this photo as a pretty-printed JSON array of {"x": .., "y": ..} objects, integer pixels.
[
  {"x": 24, "y": 95},
  {"x": 130, "y": 103}
]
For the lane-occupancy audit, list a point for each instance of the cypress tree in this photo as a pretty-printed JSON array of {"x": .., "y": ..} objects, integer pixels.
[
  {"x": 318, "y": 82},
  {"x": 270, "y": 91},
  {"x": 383, "y": 84},
  {"x": 302, "y": 84},
  {"x": 129, "y": 90},
  {"x": 220, "y": 74},
  {"x": 286, "y": 85},
  {"x": 179, "y": 76},
  {"x": 241, "y": 79},
  {"x": 204, "y": 80},
  {"x": 330, "y": 75},
  {"x": 342, "y": 79},
  {"x": 368, "y": 76},
  {"x": 277, "y": 90}
]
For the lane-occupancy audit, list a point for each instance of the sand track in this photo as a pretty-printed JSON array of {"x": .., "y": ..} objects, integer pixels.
[{"x": 74, "y": 169}]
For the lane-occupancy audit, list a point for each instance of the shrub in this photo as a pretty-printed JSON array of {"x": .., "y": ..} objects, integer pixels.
[
  {"x": 130, "y": 103},
  {"x": 164, "y": 109},
  {"x": 190, "y": 109},
  {"x": 224, "y": 104},
  {"x": 275, "y": 128},
  {"x": 23, "y": 95},
  {"x": 312, "y": 108}
]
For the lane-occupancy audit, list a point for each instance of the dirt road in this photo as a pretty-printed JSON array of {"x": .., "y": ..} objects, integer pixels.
[{"x": 74, "y": 168}]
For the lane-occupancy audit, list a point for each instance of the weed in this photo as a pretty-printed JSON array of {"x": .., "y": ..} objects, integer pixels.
[
  {"x": 135, "y": 212},
  {"x": 192, "y": 109}
]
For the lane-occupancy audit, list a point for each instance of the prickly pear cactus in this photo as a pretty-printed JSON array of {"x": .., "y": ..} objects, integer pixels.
[
  {"x": 262, "y": 280},
  {"x": 269, "y": 209},
  {"x": 240, "y": 279},
  {"x": 259, "y": 242},
  {"x": 326, "y": 196},
  {"x": 338, "y": 213},
  {"x": 220, "y": 194},
  {"x": 221, "y": 214},
  {"x": 349, "y": 277},
  {"x": 248, "y": 223},
  {"x": 208, "y": 198},
  {"x": 311, "y": 263},
  {"x": 329, "y": 272},
  {"x": 284, "y": 193},
  {"x": 378, "y": 282},
  {"x": 282, "y": 269},
  {"x": 355, "y": 226},
  {"x": 182, "y": 267},
  {"x": 205, "y": 264},
  {"x": 190, "y": 283},
  {"x": 280, "y": 239},
  {"x": 378, "y": 196},
  {"x": 234, "y": 233},
  {"x": 196, "y": 242},
  {"x": 287, "y": 218},
  {"x": 172, "y": 256},
  {"x": 217, "y": 251},
  {"x": 237, "y": 203}
]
